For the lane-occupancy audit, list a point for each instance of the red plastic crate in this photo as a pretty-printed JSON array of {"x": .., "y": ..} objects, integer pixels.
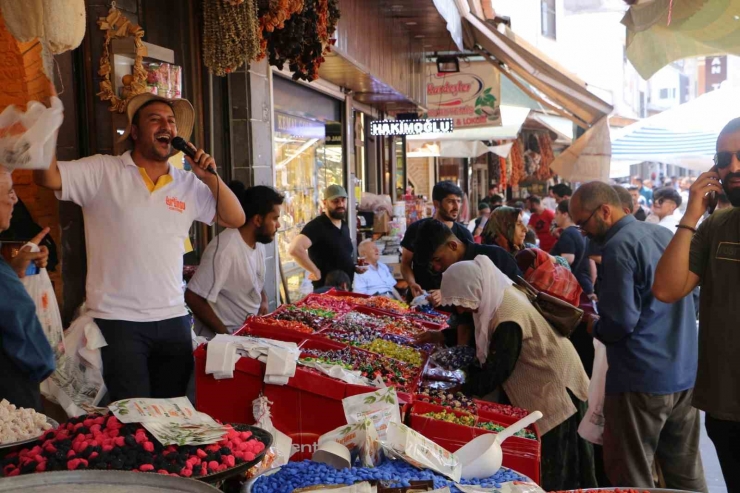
[
  {"x": 346, "y": 294},
  {"x": 520, "y": 454},
  {"x": 228, "y": 400}
]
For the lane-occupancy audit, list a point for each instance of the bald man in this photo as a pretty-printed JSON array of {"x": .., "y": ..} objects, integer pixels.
[
  {"x": 651, "y": 350},
  {"x": 378, "y": 278}
]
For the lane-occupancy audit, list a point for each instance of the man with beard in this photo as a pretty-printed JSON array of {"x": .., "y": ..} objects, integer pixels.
[
  {"x": 447, "y": 198},
  {"x": 709, "y": 255},
  {"x": 138, "y": 210},
  {"x": 324, "y": 244},
  {"x": 228, "y": 286},
  {"x": 650, "y": 347}
]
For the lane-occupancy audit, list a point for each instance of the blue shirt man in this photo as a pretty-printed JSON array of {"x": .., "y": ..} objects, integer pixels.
[{"x": 651, "y": 350}]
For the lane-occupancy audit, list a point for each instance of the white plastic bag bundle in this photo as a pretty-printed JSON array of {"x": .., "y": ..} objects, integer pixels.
[
  {"x": 592, "y": 426},
  {"x": 77, "y": 383},
  {"x": 60, "y": 23},
  {"x": 28, "y": 139}
]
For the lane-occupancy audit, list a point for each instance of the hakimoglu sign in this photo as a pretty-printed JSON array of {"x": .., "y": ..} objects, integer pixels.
[
  {"x": 411, "y": 127},
  {"x": 470, "y": 97}
]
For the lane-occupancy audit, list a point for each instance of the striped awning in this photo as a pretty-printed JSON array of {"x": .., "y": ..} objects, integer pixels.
[{"x": 683, "y": 136}]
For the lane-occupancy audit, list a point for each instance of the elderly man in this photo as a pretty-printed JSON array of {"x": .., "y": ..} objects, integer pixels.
[
  {"x": 378, "y": 278},
  {"x": 651, "y": 350},
  {"x": 138, "y": 211},
  {"x": 26, "y": 358},
  {"x": 709, "y": 255}
]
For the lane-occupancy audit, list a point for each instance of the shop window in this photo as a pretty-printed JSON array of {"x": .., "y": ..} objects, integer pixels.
[
  {"x": 548, "y": 18},
  {"x": 664, "y": 93}
]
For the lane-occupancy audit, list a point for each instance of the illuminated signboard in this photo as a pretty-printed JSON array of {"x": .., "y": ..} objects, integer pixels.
[{"x": 411, "y": 127}]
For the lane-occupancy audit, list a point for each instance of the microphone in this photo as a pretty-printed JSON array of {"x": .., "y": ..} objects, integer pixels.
[{"x": 180, "y": 144}]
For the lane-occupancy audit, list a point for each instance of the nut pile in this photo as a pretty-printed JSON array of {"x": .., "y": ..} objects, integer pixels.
[
  {"x": 104, "y": 443},
  {"x": 455, "y": 358}
]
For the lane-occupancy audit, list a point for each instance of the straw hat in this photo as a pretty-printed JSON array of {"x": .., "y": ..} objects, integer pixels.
[{"x": 184, "y": 113}]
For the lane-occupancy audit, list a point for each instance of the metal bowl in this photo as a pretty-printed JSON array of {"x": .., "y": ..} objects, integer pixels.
[
  {"x": 107, "y": 481},
  {"x": 258, "y": 433}
]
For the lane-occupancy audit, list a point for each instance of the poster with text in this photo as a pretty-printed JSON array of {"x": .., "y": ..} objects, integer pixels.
[{"x": 471, "y": 97}]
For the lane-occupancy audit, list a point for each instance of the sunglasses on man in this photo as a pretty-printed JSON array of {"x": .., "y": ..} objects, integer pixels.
[{"x": 724, "y": 159}]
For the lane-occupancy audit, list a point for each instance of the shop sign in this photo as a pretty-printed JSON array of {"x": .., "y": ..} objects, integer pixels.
[
  {"x": 715, "y": 72},
  {"x": 333, "y": 134},
  {"x": 411, "y": 127},
  {"x": 298, "y": 127},
  {"x": 472, "y": 97}
]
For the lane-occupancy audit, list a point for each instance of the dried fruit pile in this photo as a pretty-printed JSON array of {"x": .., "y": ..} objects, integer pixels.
[{"x": 104, "y": 443}]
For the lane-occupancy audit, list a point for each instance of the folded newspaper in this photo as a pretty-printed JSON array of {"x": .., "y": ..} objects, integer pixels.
[{"x": 170, "y": 421}]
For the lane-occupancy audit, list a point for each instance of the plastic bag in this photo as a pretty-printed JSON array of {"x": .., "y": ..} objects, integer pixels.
[
  {"x": 592, "y": 426},
  {"x": 77, "y": 383},
  {"x": 279, "y": 452},
  {"x": 41, "y": 291},
  {"x": 28, "y": 139},
  {"x": 381, "y": 407},
  {"x": 419, "y": 451},
  {"x": 361, "y": 439}
]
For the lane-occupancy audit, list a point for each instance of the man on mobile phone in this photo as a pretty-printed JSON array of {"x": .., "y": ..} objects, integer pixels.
[{"x": 709, "y": 255}]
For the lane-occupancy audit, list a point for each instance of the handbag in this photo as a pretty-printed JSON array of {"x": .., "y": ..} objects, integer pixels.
[{"x": 562, "y": 316}]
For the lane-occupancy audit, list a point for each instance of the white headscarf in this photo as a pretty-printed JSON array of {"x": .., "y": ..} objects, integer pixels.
[{"x": 478, "y": 285}]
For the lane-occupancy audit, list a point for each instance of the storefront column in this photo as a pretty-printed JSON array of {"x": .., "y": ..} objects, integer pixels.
[
  {"x": 262, "y": 156},
  {"x": 348, "y": 142}
]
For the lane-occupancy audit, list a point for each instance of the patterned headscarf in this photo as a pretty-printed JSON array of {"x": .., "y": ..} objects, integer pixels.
[{"x": 502, "y": 222}]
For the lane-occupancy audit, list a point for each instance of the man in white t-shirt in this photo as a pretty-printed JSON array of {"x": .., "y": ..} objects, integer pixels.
[
  {"x": 378, "y": 278},
  {"x": 666, "y": 204},
  {"x": 229, "y": 284},
  {"x": 138, "y": 210}
]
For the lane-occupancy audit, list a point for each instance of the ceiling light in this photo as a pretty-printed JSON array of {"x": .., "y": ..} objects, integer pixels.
[
  {"x": 448, "y": 65},
  {"x": 737, "y": 17}
]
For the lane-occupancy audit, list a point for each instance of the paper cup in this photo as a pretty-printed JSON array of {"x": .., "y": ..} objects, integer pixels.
[
  {"x": 481, "y": 457},
  {"x": 333, "y": 454}
]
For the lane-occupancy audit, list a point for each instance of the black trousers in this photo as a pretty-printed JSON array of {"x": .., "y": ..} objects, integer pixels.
[
  {"x": 16, "y": 387},
  {"x": 726, "y": 438},
  {"x": 147, "y": 359}
]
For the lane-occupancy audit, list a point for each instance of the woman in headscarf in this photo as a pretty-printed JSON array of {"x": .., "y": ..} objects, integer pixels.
[{"x": 535, "y": 367}]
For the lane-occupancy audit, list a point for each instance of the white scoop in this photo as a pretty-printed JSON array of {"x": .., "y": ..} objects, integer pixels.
[{"x": 481, "y": 457}]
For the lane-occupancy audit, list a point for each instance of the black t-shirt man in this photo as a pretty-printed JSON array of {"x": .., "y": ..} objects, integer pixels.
[
  {"x": 572, "y": 242},
  {"x": 424, "y": 276},
  {"x": 331, "y": 247},
  {"x": 500, "y": 258}
]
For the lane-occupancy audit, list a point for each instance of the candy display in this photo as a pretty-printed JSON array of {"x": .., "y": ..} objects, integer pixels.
[
  {"x": 514, "y": 412},
  {"x": 454, "y": 358},
  {"x": 370, "y": 365},
  {"x": 296, "y": 475},
  {"x": 288, "y": 324},
  {"x": 428, "y": 348},
  {"x": 403, "y": 327},
  {"x": 455, "y": 401},
  {"x": 104, "y": 443},
  {"x": 331, "y": 303},
  {"x": 472, "y": 421},
  {"x": 310, "y": 317},
  {"x": 395, "y": 351},
  {"x": 17, "y": 423},
  {"x": 428, "y": 314},
  {"x": 354, "y": 320},
  {"x": 385, "y": 304},
  {"x": 359, "y": 337}
]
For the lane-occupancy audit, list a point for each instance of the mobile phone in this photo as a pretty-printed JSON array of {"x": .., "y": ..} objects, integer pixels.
[{"x": 712, "y": 196}]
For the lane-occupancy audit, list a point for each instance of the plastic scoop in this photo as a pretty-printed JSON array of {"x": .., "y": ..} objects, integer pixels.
[{"x": 481, "y": 457}]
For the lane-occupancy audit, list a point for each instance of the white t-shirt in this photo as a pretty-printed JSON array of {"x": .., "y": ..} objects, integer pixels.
[
  {"x": 239, "y": 279},
  {"x": 669, "y": 222},
  {"x": 375, "y": 280},
  {"x": 135, "y": 238}
]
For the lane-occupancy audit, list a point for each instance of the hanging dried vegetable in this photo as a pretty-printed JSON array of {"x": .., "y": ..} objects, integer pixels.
[
  {"x": 544, "y": 172},
  {"x": 231, "y": 34},
  {"x": 277, "y": 13},
  {"x": 502, "y": 174},
  {"x": 517, "y": 163},
  {"x": 304, "y": 39},
  {"x": 494, "y": 169}
]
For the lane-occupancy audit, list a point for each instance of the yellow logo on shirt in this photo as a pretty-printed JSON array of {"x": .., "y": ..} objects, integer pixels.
[{"x": 174, "y": 204}]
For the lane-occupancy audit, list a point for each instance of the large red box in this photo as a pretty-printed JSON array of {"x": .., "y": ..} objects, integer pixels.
[
  {"x": 520, "y": 454},
  {"x": 228, "y": 400}
]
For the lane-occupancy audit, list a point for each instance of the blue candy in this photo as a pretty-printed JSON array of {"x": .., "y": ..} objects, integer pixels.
[{"x": 296, "y": 475}]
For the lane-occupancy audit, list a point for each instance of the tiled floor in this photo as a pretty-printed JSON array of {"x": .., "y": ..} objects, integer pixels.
[{"x": 712, "y": 471}]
